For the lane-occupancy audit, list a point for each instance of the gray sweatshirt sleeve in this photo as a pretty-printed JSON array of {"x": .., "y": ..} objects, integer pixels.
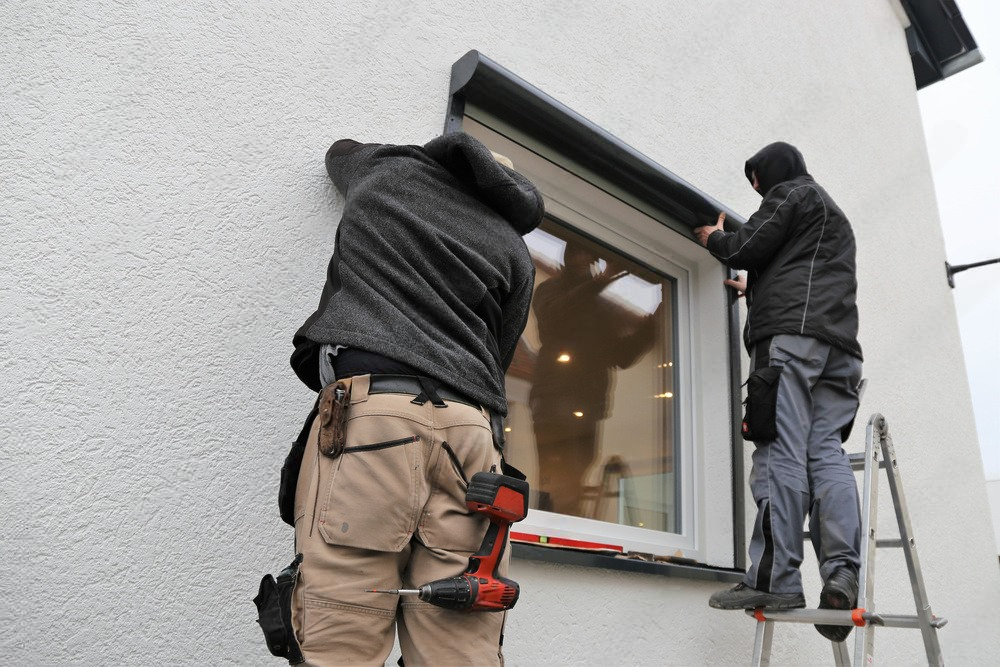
[
  {"x": 343, "y": 158},
  {"x": 515, "y": 317}
]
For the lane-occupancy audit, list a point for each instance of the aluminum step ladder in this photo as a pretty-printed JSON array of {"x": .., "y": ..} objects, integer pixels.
[{"x": 878, "y": 453}]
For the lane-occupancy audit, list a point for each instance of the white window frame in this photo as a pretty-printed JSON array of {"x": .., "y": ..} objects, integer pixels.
[{"x": 701, "y": 329}]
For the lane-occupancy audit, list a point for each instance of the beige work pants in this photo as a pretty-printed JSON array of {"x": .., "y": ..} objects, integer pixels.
[{"x": 390, "y": 513}]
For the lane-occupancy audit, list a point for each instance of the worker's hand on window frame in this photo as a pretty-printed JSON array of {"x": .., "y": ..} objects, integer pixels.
[
  {"x": 739, "y": 283},
  {"x": 702, "y": 233}
]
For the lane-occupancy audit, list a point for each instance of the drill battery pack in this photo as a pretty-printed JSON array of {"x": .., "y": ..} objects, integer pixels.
[{"x": 502, "y": 496}]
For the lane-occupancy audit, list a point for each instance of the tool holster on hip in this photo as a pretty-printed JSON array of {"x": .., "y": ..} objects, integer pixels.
[{"x": 274, "y": 613}]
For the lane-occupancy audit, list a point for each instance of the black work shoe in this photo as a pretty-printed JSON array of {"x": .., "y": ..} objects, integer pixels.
[
  {"x": 742, "y": 596},
  {"x": 839, "y": 592}
]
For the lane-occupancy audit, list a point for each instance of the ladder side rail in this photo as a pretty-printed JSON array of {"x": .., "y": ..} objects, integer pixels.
[
  {"x": 841, "y": 656},
  {"x": 762, "y": 644},
  {"x": 864, "y": 638},
  {"x": 923, "y": 607}
]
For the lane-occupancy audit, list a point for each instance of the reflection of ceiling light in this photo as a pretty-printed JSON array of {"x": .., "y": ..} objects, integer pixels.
[
  {"x": 563, "y": 357},
  {"x": 506, "y": 429},
  {"x": 666, "y": 394},
  {"x": 577, "y": 414},
  {"x": 671, "y": 364}
]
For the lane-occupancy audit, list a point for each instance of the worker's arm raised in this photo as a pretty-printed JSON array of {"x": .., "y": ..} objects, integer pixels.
[{"x": 754, "y": 244}]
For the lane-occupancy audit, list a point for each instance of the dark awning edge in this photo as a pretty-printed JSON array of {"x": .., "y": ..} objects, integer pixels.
[
  {"x": 939, "y": 41},
  {"x": 482, "y": 89}
]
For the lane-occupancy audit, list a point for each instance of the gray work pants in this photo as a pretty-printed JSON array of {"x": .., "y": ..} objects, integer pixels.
[{"x": 805, "y": 470}]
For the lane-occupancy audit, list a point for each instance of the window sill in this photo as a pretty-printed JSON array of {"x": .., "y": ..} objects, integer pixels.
[{"x": 586, "y": 559}]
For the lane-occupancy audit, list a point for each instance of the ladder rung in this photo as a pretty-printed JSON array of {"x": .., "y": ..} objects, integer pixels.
[
  {"x": 905, "y": 621},
  {"x": 821, "y": 616},
  {"x": 881, "y": 544},
  {"x": 893, "y": 544},
  {"x": 858, "y": 461},
  {"x": 837, "y": 617}
]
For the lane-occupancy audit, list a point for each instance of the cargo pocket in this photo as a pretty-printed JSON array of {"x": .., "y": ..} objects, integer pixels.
[
  {"x": 759, "y": 419},
  {"x": 854, "y": 388},
  {"x": 456, "y": 465},
  {"x": 370, "y": 501},
  {"x": 447, "y": 522}
]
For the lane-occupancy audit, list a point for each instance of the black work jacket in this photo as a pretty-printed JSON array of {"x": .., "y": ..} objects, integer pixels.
[{"x": 799, "y": 253}]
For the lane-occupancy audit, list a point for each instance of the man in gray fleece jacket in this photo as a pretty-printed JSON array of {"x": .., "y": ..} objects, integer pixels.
[{"x": 427, "y": 293}]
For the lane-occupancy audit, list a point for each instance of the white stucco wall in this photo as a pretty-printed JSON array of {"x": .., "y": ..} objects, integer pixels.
[
  {"x": 166, "y": 223},
  {"x": 993, "y": 490}
]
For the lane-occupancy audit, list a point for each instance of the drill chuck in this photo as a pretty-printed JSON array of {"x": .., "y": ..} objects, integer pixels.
[{"x": 453, "y": 593}]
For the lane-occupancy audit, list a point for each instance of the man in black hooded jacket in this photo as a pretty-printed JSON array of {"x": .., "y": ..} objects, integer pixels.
[{"x": 801, "y": 333}]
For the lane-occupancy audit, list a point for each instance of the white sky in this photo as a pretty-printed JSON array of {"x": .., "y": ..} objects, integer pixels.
[{"x": 962, "y": 123}]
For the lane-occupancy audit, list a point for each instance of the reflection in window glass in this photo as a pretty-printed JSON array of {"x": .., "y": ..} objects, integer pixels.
[{"x": 592, "y": 389}]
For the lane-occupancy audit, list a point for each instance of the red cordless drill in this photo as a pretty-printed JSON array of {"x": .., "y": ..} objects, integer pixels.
[{"x": 504, "y": 500}]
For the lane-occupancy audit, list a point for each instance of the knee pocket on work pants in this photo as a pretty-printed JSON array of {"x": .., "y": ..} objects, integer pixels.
[
  {"x": 368, "y": 498},
  {"x": 446, "y": 522},
  {"x": 430, "y": 635},
  {"x": 760, "y": 422},
  {"x": 327, "y": 628}
]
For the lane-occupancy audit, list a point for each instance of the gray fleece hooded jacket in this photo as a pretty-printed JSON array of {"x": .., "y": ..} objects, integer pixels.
[{"x": 429, "y": 267}]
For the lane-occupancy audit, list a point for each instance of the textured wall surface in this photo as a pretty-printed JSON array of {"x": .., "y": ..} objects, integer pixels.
[
  {"x": 166, "y": 223},
  {"x": 993, "y": 491}
]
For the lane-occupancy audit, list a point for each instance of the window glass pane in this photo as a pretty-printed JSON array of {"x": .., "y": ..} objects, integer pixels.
[{"x": 592, "y": 385}]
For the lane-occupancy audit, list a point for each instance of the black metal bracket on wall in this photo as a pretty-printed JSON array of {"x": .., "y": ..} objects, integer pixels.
[
  {"x": 487, "y": 92},
  {"x": 950, "y": 270}
]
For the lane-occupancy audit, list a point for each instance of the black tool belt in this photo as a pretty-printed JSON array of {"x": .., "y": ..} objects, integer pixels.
[
  {"x": 422, "y": 388},
  {"x": 762, "y": 353},
  {"x": 428, "y": 389}
]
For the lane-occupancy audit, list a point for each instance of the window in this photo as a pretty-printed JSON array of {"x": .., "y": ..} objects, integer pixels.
[
  {"x": 593, "y": 376},
  {"x": 622, "y": 389}
]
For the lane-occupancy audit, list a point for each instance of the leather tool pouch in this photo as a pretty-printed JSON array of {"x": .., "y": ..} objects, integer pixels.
[
  {"x": 760, "y": 420},
  {"x": 334, "y": 402},
  {"x": 274, "y": 613}
]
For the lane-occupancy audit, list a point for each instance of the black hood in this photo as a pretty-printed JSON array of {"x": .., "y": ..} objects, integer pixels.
[
  {"x": 509, "y": 193},
  {"x": 774, "y": 164}
]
